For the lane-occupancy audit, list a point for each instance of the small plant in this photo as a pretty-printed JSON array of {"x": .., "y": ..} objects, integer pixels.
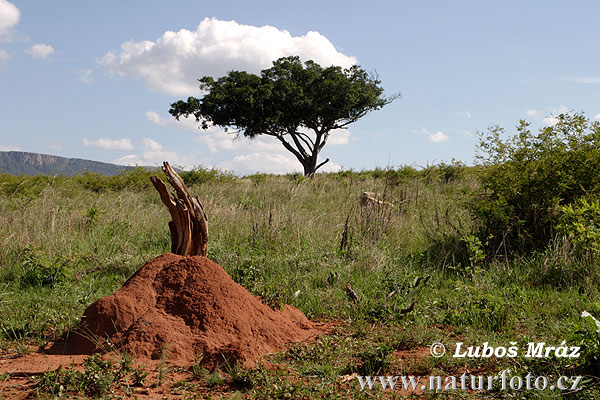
[
  {"x": 243, "y": 378},
  {"x": 198, "y": 371},
  {"x": 214, "y": 379},
  {"x": 375, "y": 359},
  {"x": 274, "y": 296},
  {"x": 92, "y": 214},
  {"x": 38, "y": 270},
  {"x": 479, "y": 310},
  {"x": 162, "y": 369},
  {"x": 138, "y": 376},
  {"x": 97, "y": 379},
  {"x": 588, "y": 337},
  {"x": 99, "y": 375}
]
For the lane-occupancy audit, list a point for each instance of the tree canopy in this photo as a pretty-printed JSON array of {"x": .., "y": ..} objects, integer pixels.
[{"x": 299, "y": 104}]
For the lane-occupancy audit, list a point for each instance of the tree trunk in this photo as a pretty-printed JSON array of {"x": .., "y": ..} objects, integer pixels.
[
  {"x": 310, "y": 165},
  {"x": 189, "y": 224}
]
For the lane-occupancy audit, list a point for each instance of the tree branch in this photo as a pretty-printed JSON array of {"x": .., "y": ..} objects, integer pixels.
[
  {"x": 306, "y": 139},
  {"x": 290, "y": 148},
  {"x": 297, "y": 143},
  {"x": 323, "y": 163}
]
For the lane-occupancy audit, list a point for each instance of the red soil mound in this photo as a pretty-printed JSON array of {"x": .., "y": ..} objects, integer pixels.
[{"x": 191, "y": 307}]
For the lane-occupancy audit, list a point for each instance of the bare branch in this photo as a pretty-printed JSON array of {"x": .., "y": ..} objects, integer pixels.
[{"x": 323, "y": 163}]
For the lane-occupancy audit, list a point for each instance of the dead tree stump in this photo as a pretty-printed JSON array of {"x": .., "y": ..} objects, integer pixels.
[{"x": 189, "y": 224}]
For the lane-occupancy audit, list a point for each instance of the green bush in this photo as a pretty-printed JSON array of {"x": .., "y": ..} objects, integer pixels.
[
  {"x": 526, "y": 179},
  {"x": 200, "y": 175},
  {"x": 588, "y": 337},
  {"x": 38, "y": 270},
  {"x": 580, "y": 223},
  {"x": 137, "y": 178}
]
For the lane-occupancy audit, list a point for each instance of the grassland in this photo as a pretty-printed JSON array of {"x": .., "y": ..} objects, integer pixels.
[{"x": 65, "y": 242}]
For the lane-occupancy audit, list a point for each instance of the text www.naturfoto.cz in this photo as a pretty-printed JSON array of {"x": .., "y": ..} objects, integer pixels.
[{"x": 503, "y": 381}]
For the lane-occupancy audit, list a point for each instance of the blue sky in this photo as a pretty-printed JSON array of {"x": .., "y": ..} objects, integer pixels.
[{"x": 94, "y": 80}]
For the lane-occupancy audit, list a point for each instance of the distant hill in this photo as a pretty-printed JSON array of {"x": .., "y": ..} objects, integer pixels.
[{"x": 19, "y": 162}]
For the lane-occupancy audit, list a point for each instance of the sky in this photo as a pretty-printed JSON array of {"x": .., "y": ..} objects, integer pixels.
[{"x": 95, "y": 80}]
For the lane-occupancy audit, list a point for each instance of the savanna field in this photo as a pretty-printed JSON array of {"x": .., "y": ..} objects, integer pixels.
[{"x": 505, "y": 251}]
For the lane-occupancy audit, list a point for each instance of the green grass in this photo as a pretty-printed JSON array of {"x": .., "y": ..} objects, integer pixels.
[{"x": 300, "y": 242}]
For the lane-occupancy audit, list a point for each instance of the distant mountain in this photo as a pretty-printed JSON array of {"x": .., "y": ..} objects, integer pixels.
[{"x": 18, "y": 162}]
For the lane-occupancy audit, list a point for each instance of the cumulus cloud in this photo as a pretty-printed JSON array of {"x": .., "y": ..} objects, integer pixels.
[
  {"x": 9, "y": 18},
  {"x": 154, "y": 154},
  {"x": 40, "y": 51},
  {"x": 432, "y": 136},
  {"x": 533, "y": 113},
  {"x": 84, "y": 75},
  {"x": 339, "y": 136},
  {"x": 550, "y": 121},
  {"x": 463, "y": 114},
  {"x": 172, "y": 63},
  {"x": 271, "y": 163},
  {"x": 597, "y": 117},
  {"x": 109, "y": 144},
  {"x": 560, "y": 110}
]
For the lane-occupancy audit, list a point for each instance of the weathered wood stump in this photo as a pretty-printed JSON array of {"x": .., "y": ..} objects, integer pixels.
[{"x": 189, "y": 224}]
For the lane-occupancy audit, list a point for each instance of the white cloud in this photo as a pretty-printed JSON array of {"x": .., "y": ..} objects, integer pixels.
[
  {"x": 9, "y": 18},
  {"x": 109, "y": 144},
  {"x": 560, "y": 110},
  {"x": 533, "y": 113},
  {"x": 550, "y": 121},
  {"x": 152, "y": 145},
  {"x": 463, "y": 114},
  {"x": 435, "y": 137},
  {"x": 173, "y": 63},
  {"x": 597, "y": 117},
  {"x": 85, "y": 75},
  {"x": 339, "y": 136},
  {"x": 154, "y": 154},
  {"x": 40, "y": 51},
  {"x": 4, "y": 56},
  {"x": 271, "y": 163},
  {"x": 9, "y": 148}
]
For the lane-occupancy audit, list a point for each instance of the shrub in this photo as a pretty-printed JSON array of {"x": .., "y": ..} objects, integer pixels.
[
  {"x": 580, "y": 223},
  {"x": 37, "y": 270},
  {"x": 200, "y": 175},
  {"x": 526, "y": 179}
]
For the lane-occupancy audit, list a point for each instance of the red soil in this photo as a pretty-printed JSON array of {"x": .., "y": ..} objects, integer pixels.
[{"x": 191, "y": 307}]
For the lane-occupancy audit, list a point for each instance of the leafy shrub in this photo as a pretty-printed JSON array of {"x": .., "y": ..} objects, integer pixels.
[
  {"x": 525, "y": 180},
  {"x": 199, "y": 175},
  {"x": 588, "y": 337},
  {"x": 375, "y": 359},
  {"x": 479, "y": 310},
  {"x": 580, "y": 223},
  {"x": 97, "y": 379},
  {"x": 37, "y": 270},
  {"x": 137, "y": 178}
]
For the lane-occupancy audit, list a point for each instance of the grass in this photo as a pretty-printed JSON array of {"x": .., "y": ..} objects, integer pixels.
[{"x": 300, "y": 242}]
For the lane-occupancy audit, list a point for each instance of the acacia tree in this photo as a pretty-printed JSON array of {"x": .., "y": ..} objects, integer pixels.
[{"x": 299, "y": 104}]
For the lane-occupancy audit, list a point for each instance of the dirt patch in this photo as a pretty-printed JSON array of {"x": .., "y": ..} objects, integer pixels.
[{"x": 186, "y": 307}]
